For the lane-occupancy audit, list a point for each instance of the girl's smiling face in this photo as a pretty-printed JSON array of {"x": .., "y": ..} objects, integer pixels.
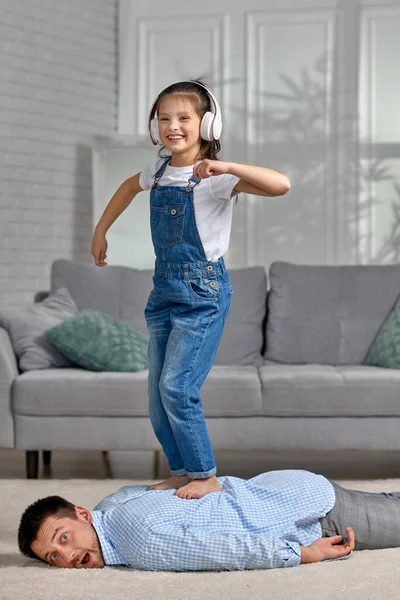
[{"x": 179, "y": 127}]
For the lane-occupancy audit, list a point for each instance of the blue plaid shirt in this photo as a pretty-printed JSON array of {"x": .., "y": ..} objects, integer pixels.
[{"x": 255, "y": 524}]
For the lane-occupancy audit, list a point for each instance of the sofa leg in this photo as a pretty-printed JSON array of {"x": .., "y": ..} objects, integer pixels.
[
  {"x": 32, "y": 464},
  {"x": 156, "y": 464},
  {"x": 46, "y": 458},
  {"x": 106, "y": 464}
]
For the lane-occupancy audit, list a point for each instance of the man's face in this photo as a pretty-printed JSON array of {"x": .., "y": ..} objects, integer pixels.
[{"x": 69, "y": 543}]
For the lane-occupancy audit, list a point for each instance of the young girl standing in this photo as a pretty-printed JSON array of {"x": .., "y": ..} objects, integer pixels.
[{"x": 191, "y": 201}]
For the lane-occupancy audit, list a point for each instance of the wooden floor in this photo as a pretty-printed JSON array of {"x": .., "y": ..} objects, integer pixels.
[{"x": 140, "y": 465}]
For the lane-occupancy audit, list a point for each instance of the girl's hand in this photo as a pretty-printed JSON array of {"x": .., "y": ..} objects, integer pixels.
[
  {"x": 99, "y": 249},
  {"x": 207, "y": 168}
]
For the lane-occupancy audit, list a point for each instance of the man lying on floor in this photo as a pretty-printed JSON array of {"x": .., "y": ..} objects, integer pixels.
[{"x": 276, "y": 519}]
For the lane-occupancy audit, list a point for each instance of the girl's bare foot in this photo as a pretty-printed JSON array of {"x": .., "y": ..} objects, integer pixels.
[
  {"x": 171, "y": 483},
  {"x": 197, "y": 488}
]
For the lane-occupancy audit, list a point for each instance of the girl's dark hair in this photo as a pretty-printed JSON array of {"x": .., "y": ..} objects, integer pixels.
[
  {"x": 202, "y": 104},
  {"x": 34, "y": 517}
]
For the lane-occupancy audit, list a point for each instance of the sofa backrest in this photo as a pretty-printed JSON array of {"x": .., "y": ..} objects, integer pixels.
[
  {"x": 327, "y": 314},
  {"x": 242, "y": 339},
  {"x": 122, "y": 292}
]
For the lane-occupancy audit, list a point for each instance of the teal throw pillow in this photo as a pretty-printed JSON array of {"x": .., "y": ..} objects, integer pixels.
[
  {"x": 385, "y": 349},
  {"x": 99, "y": 342}
]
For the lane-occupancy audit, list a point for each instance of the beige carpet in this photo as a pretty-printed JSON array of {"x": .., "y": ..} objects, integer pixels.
[{"x": 368, "y": 575}]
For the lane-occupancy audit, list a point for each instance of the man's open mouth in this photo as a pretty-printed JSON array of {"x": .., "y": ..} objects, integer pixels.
[{"x": 85, "y": 559}]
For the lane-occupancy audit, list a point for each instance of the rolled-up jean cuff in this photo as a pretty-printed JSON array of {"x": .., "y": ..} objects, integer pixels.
[
  {"x": 178, "y": 473},
  {"x": 202, "y": 474}
]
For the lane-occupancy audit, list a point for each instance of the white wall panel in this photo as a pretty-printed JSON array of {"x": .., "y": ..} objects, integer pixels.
[
  {"x": 379, "y": 118},
  {"x": 288, "y": 127},
  {"x": 168, "y": 49}
]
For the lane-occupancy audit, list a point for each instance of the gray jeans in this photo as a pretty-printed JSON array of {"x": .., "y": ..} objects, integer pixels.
[{"x": 375, "y": 518}]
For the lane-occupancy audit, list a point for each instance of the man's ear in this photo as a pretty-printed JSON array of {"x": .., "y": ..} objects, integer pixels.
[{"x": 83, "y": 514}]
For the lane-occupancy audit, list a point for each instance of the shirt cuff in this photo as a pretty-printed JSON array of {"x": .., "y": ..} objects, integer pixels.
[{"x": 293, "y": 558}]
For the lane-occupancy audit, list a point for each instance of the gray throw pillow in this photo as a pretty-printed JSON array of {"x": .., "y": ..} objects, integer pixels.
[{"x": 26, "y": 326}]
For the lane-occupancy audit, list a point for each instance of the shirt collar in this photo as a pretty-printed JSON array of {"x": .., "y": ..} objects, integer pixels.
[{"x": 110, "y": 555}]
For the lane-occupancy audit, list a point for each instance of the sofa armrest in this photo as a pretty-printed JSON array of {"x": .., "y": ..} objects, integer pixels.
[{"x": 8, "y": 372}]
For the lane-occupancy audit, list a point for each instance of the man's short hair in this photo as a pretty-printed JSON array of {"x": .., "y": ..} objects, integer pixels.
[{"x": 34, "y": 517}]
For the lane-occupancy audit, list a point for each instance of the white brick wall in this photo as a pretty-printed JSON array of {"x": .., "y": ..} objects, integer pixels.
[{"x": 57, "y": 90}]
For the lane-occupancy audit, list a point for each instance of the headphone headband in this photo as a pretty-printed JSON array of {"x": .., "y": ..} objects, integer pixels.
[{"x": 211, "y": 123}]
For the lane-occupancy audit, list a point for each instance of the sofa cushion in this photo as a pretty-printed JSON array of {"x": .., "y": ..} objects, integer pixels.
[
  {"x": 242, "y": 339},
  {"x": 26, "y": 327},
  {"x": 326, "y": 391},
  {"x": 100, "y": 343},
  {"x": 327, "y": 315},
  {"x": 228, "y": 391},
  {"x": 385, "y": 349},
  {"x": 78, "y": 392},
  {"x": 122, "y": 292},
  {"x": 232, "y": 391}
]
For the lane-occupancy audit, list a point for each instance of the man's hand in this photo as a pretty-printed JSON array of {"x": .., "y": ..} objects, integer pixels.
[
  {"x": 207, "y": 168},
  {"x": 328, "y": 547}
]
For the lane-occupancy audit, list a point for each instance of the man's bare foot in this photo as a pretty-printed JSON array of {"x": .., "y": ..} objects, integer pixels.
[
  {"x": 171, "y": 483},
  {"x": 197, "y": 488}
]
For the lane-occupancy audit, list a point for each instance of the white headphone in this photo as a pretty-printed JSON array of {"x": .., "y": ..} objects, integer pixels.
[{"x": 211, "y": 122}]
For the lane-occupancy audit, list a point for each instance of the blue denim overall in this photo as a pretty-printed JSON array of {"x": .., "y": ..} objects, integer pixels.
[{"x": 185, "y": 315}]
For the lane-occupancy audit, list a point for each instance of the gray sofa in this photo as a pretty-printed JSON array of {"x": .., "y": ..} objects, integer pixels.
[{"x": 287, "y": 378}]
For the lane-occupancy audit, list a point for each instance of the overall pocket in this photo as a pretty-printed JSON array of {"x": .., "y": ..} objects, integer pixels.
[
  {"x": 167, "y": 224},
  {"x": 204, "y": 289}
]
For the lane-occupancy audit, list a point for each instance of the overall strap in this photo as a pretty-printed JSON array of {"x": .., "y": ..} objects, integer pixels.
[
  {"x": 192, "y": 182},
  {"x": 193, "y": 178},
  {"x": 160, "y": 172}
]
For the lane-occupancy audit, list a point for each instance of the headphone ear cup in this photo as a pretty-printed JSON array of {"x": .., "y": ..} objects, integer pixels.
[
  {"x": 206, "y": 126},
  {"x": 217, "y": 127},
  {"x": 155, "y": 136}
]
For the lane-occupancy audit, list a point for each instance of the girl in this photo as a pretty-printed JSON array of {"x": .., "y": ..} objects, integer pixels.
[{"x": 191, "y": 202}]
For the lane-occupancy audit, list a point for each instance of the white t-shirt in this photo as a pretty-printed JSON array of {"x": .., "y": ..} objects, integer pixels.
[{"x": 213, "y": 203}]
